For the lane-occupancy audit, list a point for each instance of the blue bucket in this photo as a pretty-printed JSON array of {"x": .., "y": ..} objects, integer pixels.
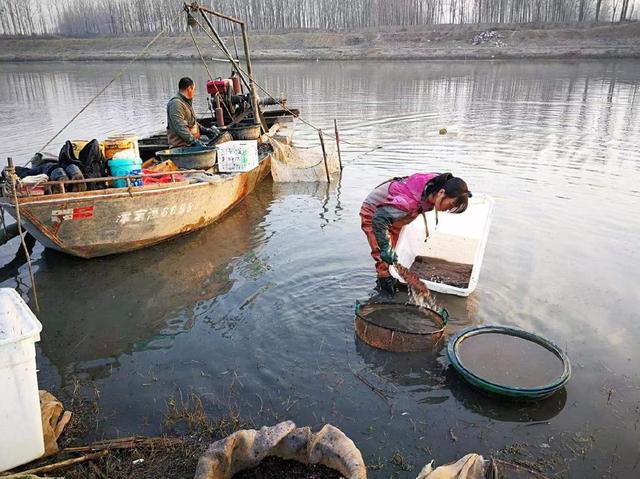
[{"x": 123, "y": 167}]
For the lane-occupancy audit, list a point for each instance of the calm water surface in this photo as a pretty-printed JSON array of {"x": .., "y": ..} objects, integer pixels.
[{"x": 257, "y": 310}]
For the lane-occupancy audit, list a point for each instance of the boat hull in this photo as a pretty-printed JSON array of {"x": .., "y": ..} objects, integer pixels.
[{"x": 105, "y": 222}]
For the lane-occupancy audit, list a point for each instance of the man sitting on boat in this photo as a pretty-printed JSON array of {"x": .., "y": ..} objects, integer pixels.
[
  {"x": 183, "y": 128},
  {"x": 396, "y": 203}
]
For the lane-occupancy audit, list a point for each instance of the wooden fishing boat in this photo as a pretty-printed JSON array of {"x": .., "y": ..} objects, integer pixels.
[
  {"x": 107, "y": 221},
  {"x": 117, "y": 220}
]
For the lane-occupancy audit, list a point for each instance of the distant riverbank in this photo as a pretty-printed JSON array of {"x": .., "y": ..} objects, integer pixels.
[{"x": 437, "y": 42}]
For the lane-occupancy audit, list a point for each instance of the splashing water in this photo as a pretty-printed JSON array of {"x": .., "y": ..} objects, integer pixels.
[
  {"x": 418, "y": 292},
  {"x": 420, "y": 299}
]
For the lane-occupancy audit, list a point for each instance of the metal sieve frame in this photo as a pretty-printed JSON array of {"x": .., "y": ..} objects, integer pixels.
[{"x": 393, "y": 339}]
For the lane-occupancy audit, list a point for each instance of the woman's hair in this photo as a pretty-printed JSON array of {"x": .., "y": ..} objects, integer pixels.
[{"x": 453, "y": 188}]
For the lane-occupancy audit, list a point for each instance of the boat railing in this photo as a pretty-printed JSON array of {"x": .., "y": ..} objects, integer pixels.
[{"x": 27, "y": 188}]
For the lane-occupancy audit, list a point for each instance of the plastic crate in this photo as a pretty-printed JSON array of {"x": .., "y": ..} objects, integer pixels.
[
  {"x": 459, "y": 238},
  {"x": 21, "y": 438}
]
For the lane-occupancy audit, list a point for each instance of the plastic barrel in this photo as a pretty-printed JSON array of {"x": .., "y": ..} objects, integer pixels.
[{"x": 123, "y": 167}]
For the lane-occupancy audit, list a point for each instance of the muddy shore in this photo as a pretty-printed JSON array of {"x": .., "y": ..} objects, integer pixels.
[{"x": 435, "y": 42}]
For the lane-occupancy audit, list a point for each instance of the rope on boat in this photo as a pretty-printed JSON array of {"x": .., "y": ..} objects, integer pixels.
[
  {"x": 206, "y": 67},
  {"x": 118, "y": 75},
  {"x": 12, "y": 183},
  {"x": 4, "y": 224}
]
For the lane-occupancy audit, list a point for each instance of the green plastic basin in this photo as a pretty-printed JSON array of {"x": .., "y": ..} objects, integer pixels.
[{"x": 487, "y": 381}]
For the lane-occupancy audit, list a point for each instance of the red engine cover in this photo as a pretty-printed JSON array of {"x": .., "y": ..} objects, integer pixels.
[{"x": 217, "y": 86}]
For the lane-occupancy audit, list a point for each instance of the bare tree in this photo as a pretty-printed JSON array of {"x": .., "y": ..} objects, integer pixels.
[
  {"x": 130, "y": 17},
  {"x": 581, "y": 11},
  {"x": 598, "y": 5},
  {"x": 623, "y": 10}
]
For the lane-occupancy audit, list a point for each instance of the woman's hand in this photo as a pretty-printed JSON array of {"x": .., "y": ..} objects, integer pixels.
[{"x": 388, "y": 255}]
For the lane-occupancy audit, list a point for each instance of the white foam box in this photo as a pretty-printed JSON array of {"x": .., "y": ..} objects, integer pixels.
[
  {"x": 459, "y": 238},
  {"x": 238, "y": 155},
  {"x": 21, "y": 438}
]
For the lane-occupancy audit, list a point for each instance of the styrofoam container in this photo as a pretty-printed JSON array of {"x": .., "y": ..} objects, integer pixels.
[
  {"x": 459, "y": 238},
  {"x": 236, "y": 156},
  {"x": 21, "y": 438}
]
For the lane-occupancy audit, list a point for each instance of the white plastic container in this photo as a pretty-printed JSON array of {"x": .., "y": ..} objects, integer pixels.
[
  {"x": 236, "y": 156},
  {"x": 459, "y": 238},
  {"x": 21, "y": 438}
]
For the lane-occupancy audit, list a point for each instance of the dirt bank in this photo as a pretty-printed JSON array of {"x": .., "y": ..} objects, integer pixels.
[{"x": 415, "y": 43}]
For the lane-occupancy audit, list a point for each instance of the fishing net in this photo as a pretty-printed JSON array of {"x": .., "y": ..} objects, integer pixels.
[
  {"x": 248, "y": 448},
  {"x": 294, "y": 165}
]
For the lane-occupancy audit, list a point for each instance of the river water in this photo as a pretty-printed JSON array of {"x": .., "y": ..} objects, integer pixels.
[{"x": 256, "y": 312}]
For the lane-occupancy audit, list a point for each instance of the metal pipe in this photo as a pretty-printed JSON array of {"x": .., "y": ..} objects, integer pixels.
[
  {"x": 252, "y": 85},
  {"x": 199, "y": 51},
  {"x": 222, "y": 47},
  {"x": 112, "y": 178},
  {"x": 235, "y": 43},
  {"x": 220, "y": 15}
]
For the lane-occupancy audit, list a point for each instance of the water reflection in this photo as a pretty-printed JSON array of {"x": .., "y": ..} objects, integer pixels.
[
  {"x": 9, "y": 270},
  {"x": 95, "y": 311},
  {"x": 272, "y": 298},
  {"x": 503, "y": 409},
  {"x": 478, "y": 97},
  {"x": 423, "y": 372},
  {"x": 433, "y": 381}
]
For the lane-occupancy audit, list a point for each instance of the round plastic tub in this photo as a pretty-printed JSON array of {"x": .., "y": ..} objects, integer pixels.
[
  {"x": 123, "y": 167},
  {"x": 245, "y": 132},
  {"x": 509, "y": 361},
  {"x": 399, "y": 327},
  {"x": 190, "y": 157}
]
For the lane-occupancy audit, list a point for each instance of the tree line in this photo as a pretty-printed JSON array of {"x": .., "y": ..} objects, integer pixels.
[{"x": 118, "y": 17}]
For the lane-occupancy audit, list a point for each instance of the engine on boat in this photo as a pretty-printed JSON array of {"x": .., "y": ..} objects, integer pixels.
[{"x": 231, "y": 104}]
